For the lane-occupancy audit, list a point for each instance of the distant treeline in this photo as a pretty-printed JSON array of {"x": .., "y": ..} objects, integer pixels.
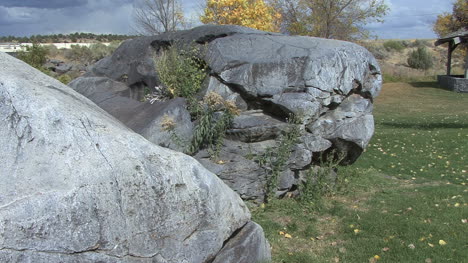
[{"x": 66, "y": 38}]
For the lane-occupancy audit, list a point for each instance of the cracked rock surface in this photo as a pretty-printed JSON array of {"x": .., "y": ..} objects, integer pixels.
[
  {"x": 328, "y": 84},
  {"x": 79, "y": 186}
]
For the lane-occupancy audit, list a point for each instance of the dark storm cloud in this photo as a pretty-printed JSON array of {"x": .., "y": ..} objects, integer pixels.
[
  {"x": 48, "y": 4},
  {"x": 29, "y": 17}
]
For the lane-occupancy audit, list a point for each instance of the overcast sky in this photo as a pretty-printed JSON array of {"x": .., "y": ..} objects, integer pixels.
[{"x": 407, "y": 19}]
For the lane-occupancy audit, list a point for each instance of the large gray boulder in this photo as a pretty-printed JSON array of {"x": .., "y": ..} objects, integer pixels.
[
  {"x": 79, "y": 186},
  {"x": 329, "y": 85},
  {"x": 248, "y": 244},
  {"x": 145, "y": 118}
]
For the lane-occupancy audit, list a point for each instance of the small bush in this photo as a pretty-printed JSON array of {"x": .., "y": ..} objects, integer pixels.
[
  {"x": 420, "y": 59},
  {"x": 180, "y": 71},
  {"x": 65, "y": 79},
  {"x": 405, "y": 43},
  {"x": 34, "y": 55},
  {"x": 114, "y": 45},
  {"x": 379, "y": 52},
  {"x": 274, "y": 160},
  {"x": 99, "y": 51},
  {"x": 420, "y": 43},
  {"x": 79, "y": 53},
  {"x": 393, "y": 45},
  {"x": 52, "y": 50},
  {"x": 214, "y": 118}
]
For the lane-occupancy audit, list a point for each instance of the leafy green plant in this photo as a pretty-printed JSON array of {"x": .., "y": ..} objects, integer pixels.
[
  {"x": 34, "y": 55},
  {"x": 65, "y": 78},
  {"x": 180, "y": 71},
  {"x": 214, "y": 117},
  {"x": 378, "y": 51},
  {"x": 99, "y": 51},
  {"x": 321, "y": 180},
  {"x": 168, "y": 124},
  {"x": 275, "y": 160},
  {"x": 393, "y": 45},
  {"x": 79, "y": 53},
  {"x": 52, "y": 50},
  {"x": 420, "y": 59}
]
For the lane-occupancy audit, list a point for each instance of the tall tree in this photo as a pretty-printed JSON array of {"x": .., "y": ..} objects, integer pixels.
[
  {"x": 447, "y": 23},
  {"x": 250, "y": 13},
  {"x": 337, "y": 19},
  {"x": 154, "y": 17}
]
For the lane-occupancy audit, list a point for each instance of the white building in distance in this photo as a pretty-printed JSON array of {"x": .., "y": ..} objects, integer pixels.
[{"x": 16, "y": 47}]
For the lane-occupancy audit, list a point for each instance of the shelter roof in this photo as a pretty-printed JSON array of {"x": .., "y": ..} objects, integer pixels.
[{"x": 462, "y": 34}]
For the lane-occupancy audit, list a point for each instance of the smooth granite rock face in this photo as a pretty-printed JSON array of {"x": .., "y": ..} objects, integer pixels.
[
  {"x": 79, "y": 186},
  {"x": 328, "y": 85}
]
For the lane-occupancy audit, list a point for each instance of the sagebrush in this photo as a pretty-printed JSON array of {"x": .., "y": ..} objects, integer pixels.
[
  {"x": 420, "y": 59},
  {"x": 180, "y": 71}
]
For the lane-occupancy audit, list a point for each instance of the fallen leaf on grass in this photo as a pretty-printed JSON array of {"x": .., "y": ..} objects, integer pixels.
[
  {"x": 287, "y": 236},
  {"x": 428, "y": 260},
  {"x": 385, "y": 249},
  {"x": 281, "y": 233},
  {"x": 411, "y": 246},
  {"x": 442, "y": 242},
  {"x": 464, "y": 221},
  {"x": 431, "y": 245},
  {"x": 336, "y": 259},
  {"x": 356, "y": 231}
]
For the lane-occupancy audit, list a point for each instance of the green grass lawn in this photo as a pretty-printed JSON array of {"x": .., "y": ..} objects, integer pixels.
[{"x": 406, "y": 200}]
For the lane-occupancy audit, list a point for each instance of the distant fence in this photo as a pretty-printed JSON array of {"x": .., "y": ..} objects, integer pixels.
[{"x": 16, "y": 47}]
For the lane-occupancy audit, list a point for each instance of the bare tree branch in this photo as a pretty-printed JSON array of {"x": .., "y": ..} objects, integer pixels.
[{"x": 153, "y": 17}]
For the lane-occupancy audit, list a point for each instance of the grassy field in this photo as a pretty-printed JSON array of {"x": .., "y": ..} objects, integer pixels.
[{"x": 406, "y": 197}]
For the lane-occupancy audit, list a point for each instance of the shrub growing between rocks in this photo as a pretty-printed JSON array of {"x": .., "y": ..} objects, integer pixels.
[
  {"x": 214, "y": 118},
  {"x": 180, "y": 71},
  {"x": 65, "y": 79}
]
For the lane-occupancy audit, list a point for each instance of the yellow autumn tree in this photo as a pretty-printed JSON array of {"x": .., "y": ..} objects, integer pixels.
[
  {"x": 448, "y": 23},
  {"x": 249, "y": 13}
]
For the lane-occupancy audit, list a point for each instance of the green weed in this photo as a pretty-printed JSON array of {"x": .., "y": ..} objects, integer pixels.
[
  {"x": 275, "y": 160},
  {"x": 394, "y": 45},
  {"x": 180, "y": 71}
]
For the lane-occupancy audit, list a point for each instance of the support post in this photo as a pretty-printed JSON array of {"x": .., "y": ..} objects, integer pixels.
[
  {"x": 466, "y": 66},
  {"x": 449, "y": 57}
]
